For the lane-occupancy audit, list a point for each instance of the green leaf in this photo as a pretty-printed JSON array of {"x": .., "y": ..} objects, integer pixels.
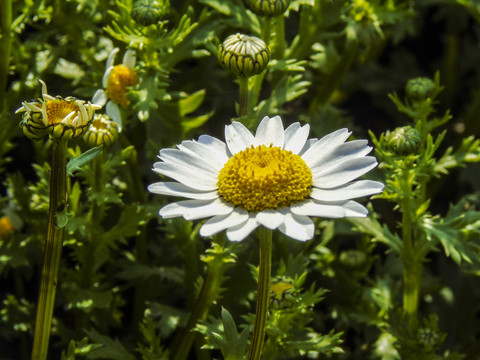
[
  {"x": 78, "y": 162},
  {"x": 111, "y": 349},
  {"x": 458, "y": 232}
]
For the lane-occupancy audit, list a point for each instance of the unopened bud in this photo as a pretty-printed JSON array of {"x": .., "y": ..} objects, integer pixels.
[
  {"x": 103, "y": 131},
  {"x": 244, "y": 55},
  {"x": 403, "y": 140},
  {"x": 420, "y": 89},
  {"x": 268, "y": 8},
  {"x": 147, "y": 12}
]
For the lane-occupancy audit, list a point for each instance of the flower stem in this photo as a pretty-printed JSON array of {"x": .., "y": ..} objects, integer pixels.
[
  {"x": 5, "y": 48},
  {"x": 208, "y": 293},
  {"x": 243, "y": 101},
  {"x": 412, "y": 264},
  {"x": 265, "y": 269},
  {"x": 279, "y": 49},
  {"x": 52, "y": 252}
]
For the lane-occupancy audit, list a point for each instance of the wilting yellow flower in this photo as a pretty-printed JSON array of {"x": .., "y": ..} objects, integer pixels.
[
  {"x": 116, "y": 80},
  {"x": 103, "y": 131},
  {"x": 58, "y": 117}
]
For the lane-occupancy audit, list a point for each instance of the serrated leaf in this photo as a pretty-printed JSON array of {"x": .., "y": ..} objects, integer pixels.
[
  {"x": 111, "y": 349},
  {"x": 78, "y": 162}
]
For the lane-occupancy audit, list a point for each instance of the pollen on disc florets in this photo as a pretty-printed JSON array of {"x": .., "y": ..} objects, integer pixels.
[
  {"x": 119, "y": 80},
  {"x": 58, "y": 109},
  {"x": 264, "y": 177}
]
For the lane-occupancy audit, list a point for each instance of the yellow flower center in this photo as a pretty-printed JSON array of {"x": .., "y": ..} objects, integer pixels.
[
  {"x": 120, "y": 78},
  {"x": 98, "y": 124},
  {"x": 57, "y": 110},
  {"x": 260, "y": 178}
]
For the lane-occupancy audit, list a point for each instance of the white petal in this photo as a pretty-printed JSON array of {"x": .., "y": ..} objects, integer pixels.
[
  {"x": 298, "y": 227},
  {"x": 106, "y": 76},
  {"x": 240, "y": 232},
  {"x": 270, "y": 132},
  {"x": 196, "y": 209},
  {"x": 215, "y": 158},
  {"x": 181, "y": 190},
  {"x": 188, "y": 159},
  {"x": 187, "y": 175},
  {"x": 111, "y": 57},
  {"x": 350, "y": 150},
  {"x": 308, "y": 145},
  {"x": 221, "y": 222},
  {"x": 296, "y": 137},
  {"x": 326, "y": 144},
  {"x": 100, "y": 97},
  {"x": 129, "y": 59},
  {"x": 271, "y": 219},
  {"x": 343, "y": 173},
  {"x": 44, "y": 88},
  {"x": 238, "y": 137},
  {"x": 348, "y": 191},
  {"x": 354, "y": 209},
  {"x": 318, "y": 209},
  {"x": 113, "y": 110}
]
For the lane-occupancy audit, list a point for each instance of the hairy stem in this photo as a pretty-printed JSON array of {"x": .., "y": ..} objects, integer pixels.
[
  {"x": 52, "y": 252},
  {"x": 265, "y": 269}
]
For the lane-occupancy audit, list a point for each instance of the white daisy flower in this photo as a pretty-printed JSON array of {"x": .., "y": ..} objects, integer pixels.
[
  {"x": 116, "y": 80},
  {"x": 276, "y": 178}
]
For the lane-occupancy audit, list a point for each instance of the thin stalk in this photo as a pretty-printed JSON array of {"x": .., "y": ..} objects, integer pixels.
[
  {"x": 412, "y": 267},
  {"x": 265, "y": 270},
  {"x": 243, "y": 100},
  {"x": 280, "y": 46},
  {"x": 5, "y": 48},
  {"x": 52, "y": 252},
  {"x": 208, "y": 293}
]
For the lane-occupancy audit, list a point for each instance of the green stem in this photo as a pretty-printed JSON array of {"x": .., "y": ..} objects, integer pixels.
[
  {"x": 208, "y": 293},
  {"x": 243, "y": 101},
  {"x": 53, "y": 249},
  {"x": 5, "y": 48},
  {"x": 265, "y": 269},
  {"x": 412, "y": 266},
  {"x": 278, "y": 52}
]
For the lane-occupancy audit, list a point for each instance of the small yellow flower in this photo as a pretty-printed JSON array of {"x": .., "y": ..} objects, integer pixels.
[
  {"x": 116, "y": 81},
  {"x": 103, "y": 131},
  {"x": 58, "y": 117},
  {"x": 6, "y": 227}
]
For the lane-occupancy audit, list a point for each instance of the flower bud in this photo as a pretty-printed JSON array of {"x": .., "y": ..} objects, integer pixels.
[
  {"x": 428, "y": 337},
  {"x": 147, "y": 12},
  {"x": 403, "y": 140},
  {"x": 268, "y": 8},
  {"x": 353, "y": 258},
  {"x": 103, "y": 131},
  {"x": 282, "y": 293},
  {"x": 420, "y": 89},
  {"x": 244, "y": 55}
]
